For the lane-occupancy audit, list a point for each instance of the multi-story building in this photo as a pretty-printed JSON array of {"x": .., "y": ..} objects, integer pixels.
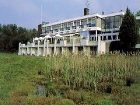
[{"x": 90, "y": 33}]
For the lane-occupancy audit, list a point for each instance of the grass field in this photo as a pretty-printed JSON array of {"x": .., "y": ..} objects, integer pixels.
[{"x": 111, "y": 79}]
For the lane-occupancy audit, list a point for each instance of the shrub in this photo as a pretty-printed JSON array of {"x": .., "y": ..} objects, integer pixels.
[
  {"x": 41, "y": 100},
  {"x": 18, "y": 98},
  {"x": 66, "y": 102},
  {"x": 105, "y": 102},
  {"x": 129, "y": 81}
]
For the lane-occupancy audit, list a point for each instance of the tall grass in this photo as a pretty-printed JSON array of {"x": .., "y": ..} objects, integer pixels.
[
  {"x": 65, "y": 72},
  {"x": 78, "y": 71}
]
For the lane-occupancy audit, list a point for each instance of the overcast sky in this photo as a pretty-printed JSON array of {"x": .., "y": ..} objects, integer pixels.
[{"x": 27, "y": 13}]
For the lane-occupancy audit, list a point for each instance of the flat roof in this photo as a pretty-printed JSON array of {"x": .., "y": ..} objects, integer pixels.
[{"x": 84, "y": 17}]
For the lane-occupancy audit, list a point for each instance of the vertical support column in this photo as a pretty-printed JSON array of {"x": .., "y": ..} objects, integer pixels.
[
  {"x": 87, "y": 23},
  {"x": 47, "y": 47},
  {"x": 55, "y": 42},
  {"x": 19, "y": 49},
  {"x": 62, "y": 50},
  {"x": 73, "y": 45},
  {"x": 99, "y": 45},
  {"x": 73, "y": 23},
  {"x": 96, "y": 36},
  {"x": 70, "y": 38},
  {"x": 44, "y": 48},
  {"x": 80, "y": 22},
  {"x": 111, "y": 37},
  {"x": 31, "y": 50},
  {"x": 38, "y": 44},
  {"x": 117, "y": 37},
  {"x": 33, "y": 40},
  {"x": 32, "y": 46},
  {"x": 107, "y": 37},
  {"x": 28, "y": 43}
]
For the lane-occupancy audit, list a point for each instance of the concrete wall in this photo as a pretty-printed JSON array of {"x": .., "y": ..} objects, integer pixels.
[{"x": 98, "y": 22}]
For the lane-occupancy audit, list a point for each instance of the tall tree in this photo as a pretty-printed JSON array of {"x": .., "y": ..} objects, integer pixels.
[
  {"x": 138, "y": 13},
  {"x": 11, "y": 35},
  {"x": 128, "y": 31}
]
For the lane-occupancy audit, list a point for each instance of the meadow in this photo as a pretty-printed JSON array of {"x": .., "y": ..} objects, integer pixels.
[{"x": 111, "y": 79}]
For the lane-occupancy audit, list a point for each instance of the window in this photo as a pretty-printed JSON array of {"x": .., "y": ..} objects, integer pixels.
[
  {"x": 67, "y": 28},
  {"x": 115, "y": 31},
  {"x": 104, "y": 37},
  {"x": 56, "y": 30},
  {"x": 51, "y": 31},
  {"x": 114, "y": 37},
  {"x": 84, "y": 22},
  {"x": 73, "y": 27},
  {"x": 107, "y": 32},
  {"x": 93, "y": 24},
  {"x": 81, "y": 26},
  {"x": 77, "y": 22},
  {"x": 61, "y": 29},
  {"x": 101, "y": 37},
  {"x": 117, "y": 22},
  {"x": 89, "y": 25},
  {"x": 109, "y": 38}
]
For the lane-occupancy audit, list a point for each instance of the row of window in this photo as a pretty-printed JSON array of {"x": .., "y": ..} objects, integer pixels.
[
  {"x": 72, "y": 23},
  {"x": 68, "y": 28},
  {"x": 113, "y": 37}
]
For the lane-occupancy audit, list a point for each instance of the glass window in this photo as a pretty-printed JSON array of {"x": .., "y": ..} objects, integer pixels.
[
  {"x": 104, "y": 38},
  {"x": 61, "y": 29},
  {"x": 77, "y": 22},
  {"x": 73, "y": 27},
  {"x": 117, "y": 18},
  {"x": 114, "y": 37},
  {"x": 84, "y": 34},
  {"x": 84, "y": 22},
  {"x": 67, "y": 28},
  {"x": 109, "y": 38}
]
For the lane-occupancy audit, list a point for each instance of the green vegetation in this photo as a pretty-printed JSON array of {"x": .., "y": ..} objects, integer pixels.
[
  {"x": 128, "y": 31},
  {"x": 11, "y": 35},
  {"x": 138, "y": 13},
  {"x": 70, "y": 80}
]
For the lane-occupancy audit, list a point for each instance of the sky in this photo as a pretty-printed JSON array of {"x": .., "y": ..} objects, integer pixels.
[{"x": 27, "y": 13}]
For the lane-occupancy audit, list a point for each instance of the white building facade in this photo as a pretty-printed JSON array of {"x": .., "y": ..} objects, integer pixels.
[{"x": 90, "y": 34}]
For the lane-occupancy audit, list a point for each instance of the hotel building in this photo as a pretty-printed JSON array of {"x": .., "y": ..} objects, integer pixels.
[{"x": 89, "y": 34}]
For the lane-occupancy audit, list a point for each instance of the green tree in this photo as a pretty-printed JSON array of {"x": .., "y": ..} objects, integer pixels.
[
  {"x": 128, "y": 31},
  {"x": 138, "y": 13},
  {"x": 11, "y": 35}
]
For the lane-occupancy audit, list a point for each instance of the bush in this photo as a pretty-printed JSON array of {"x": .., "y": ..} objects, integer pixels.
[
  {"x": 41, "y": 100},
  {"x": 66, "y": 102},
  {"x": 129, "y": 81},
  {"x": 105, "y": 87},
  {"x": 18, "y": 98},
  {"x": 105, "y": 102}
]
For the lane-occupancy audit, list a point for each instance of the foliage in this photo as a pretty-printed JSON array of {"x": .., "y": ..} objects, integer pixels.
[
  {"x": 128, "y": 31},
  {"x": 11, "y": 35},
  {"x": 138, "y": 13},
  {"x": 66, "y": 102},
  {"x": 105, "y": 102},
  {"x": 74, "y": 79}
]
